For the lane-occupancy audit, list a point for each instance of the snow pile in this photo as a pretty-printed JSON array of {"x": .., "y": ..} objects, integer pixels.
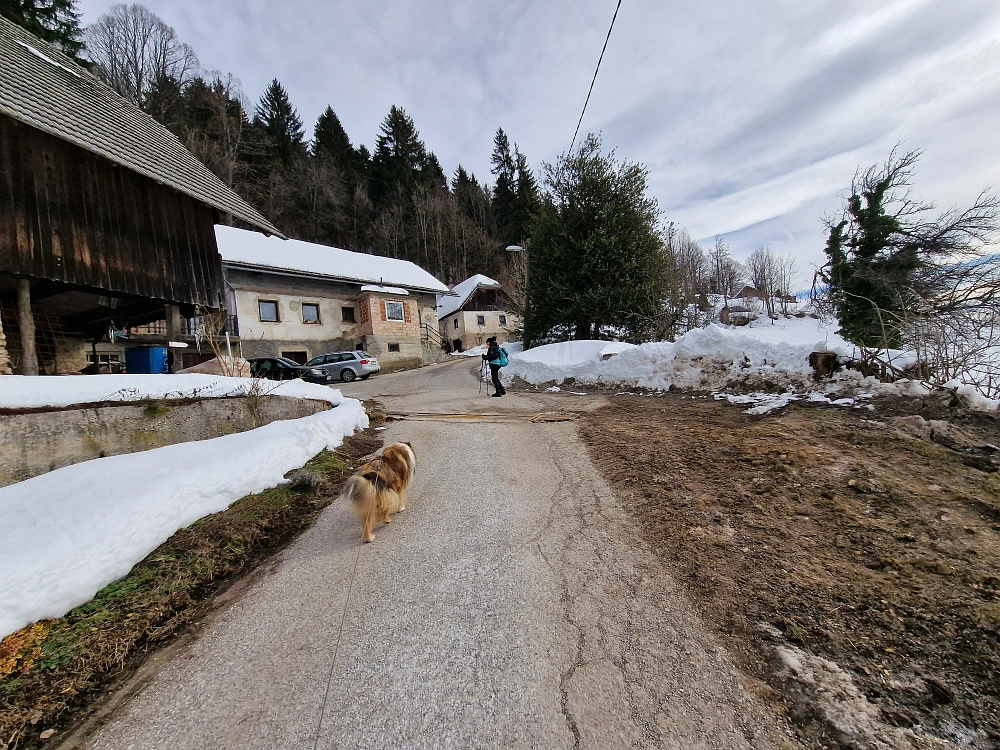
[
  {"x": 27, "y": 392},
  {"x": 512, "y": 347},
  {"x": 706, "y": 358},
  {"x": 67, "y": 534}
]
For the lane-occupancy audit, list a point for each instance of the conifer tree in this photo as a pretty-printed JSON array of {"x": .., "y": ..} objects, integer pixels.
[
  {"x": 330, "y": 141},
  {"x": 54, "y": 21},
  {"x": 597, "y": 256},
  {"x": 400, "y": 163},
  {"x": 515, "y": 196},
  {"x": 279, "y": 120}
]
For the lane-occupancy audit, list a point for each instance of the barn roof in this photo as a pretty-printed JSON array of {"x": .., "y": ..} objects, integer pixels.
[
  {"x": 253, "y": 251},
  {"x": 43, "y": 88},
  {"x": 465, "y": 290}
]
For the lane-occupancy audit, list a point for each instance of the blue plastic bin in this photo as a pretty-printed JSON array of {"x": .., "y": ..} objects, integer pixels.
[{"x": 146, "y": 360}]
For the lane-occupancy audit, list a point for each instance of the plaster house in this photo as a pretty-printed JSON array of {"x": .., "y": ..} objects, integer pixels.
[
  {"x": 299, "y": 299},
  {"x": 480, "y": 308},
  {"x": 106, "y": 220}
]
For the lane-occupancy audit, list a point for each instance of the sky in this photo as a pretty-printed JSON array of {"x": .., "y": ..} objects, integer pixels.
[{"x": 751, "y": 115}]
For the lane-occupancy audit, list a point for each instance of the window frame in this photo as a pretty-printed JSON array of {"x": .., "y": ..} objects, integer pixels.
[
  {"x": 456, "y": 323},
  {"x": 402, "y": 310},
  {"x": 391, "y": 350},
  {"x": 480, "y": 320},
  {"x": 302, "y": 314},
  {"x": 277, "y": 310},
  {"x": 503, "y": 320},
  {"x": 344, "y": 318}
]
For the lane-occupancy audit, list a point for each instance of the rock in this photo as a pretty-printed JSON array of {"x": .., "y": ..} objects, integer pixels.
[
  {"x": 46, "y": 734},
  {"x": 303, "y": 479}
]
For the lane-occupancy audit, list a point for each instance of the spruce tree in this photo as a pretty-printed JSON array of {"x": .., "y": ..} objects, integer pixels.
[
  {"x": 279, "y": 120},
  {"x": 596, "y": 258},
  {"x": 330, "y": 141},
  {"x": 400, "y": 163},
  {"x": 515, "y": 196},
  {"x": 54, "y": 21}
]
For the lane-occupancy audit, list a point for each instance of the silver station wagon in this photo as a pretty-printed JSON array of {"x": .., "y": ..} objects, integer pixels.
[{"x": 346, "y": 365}]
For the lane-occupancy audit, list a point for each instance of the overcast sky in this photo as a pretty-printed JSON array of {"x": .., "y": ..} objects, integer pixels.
[{"x": 752, "y": 115}]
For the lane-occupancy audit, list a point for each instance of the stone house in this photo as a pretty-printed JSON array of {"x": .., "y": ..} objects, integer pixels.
[
  {"x": 299, "y": 299},
  {"x": 106, "y": 220},
  {"x": 480, "y": 308}
]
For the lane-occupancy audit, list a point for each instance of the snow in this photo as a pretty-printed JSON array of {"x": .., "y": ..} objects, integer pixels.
[
  {"x": 383, "y": 289},
  {"x": 464, "y": 290},
  {"x": 28, "y": 392},
  {"x": 67, "y": 534},
  {"x": 764, "y": 366},
  {"x": 246, "y": 248},
  {"x": 706, "y": 358}
]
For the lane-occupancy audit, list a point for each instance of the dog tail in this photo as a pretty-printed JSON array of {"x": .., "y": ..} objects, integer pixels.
[{"x": 363, "y": 495}]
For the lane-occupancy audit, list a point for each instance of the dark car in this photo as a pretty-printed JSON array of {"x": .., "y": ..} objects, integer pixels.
[
  {"x": 279, "y": 368},
  {"x": 346, "y": 365}
]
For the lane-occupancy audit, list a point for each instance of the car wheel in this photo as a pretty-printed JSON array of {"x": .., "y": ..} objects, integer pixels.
[{"x": 347, "y": 375}]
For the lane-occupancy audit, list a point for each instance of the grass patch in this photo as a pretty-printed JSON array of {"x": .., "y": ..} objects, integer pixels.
[{"x": 51, "y": 671}]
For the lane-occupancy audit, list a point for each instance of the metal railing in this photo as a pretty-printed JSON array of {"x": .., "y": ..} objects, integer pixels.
[
  {"x": 433, "y": 335},
  {"x": 190, "y": 327}
]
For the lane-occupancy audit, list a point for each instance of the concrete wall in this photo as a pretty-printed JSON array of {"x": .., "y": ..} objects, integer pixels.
[
  {"x": 36, "y": 443},
  {"x": 471, "y": 333},
  {"x": 370, "y": 330}
]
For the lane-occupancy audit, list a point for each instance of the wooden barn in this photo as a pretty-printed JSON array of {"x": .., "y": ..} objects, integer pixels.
[{"x": 106, "y": 220}]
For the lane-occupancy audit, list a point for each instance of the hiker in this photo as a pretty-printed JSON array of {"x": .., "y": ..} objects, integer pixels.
[{"x": 496, "y": 356}]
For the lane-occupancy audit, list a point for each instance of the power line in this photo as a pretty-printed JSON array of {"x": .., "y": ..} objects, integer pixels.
[{"x": 594, "y": 80}]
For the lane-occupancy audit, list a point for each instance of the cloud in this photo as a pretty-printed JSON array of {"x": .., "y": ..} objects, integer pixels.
[{"x": 752, "y": 116}]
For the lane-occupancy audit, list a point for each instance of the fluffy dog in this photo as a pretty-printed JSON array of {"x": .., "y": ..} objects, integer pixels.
[{"x": 378, "y": 488}]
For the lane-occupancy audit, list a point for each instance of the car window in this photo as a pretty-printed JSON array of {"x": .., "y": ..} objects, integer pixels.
[
  {"x": 315, "y": 361},
  {"x": 347, "y": 357},
  {"x": 282, "y": 362}
]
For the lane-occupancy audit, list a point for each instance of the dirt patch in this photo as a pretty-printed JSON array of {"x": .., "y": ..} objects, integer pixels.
[
  {"x": 55, "y": 673},
  {"x": 832, "y": 554}
]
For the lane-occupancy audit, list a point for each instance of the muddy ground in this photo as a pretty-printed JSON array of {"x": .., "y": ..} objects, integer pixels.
[{"x": 824, "y": 532}]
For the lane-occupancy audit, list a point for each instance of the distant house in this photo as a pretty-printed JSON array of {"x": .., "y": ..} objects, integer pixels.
[
  {"x": 106, "y": 220},
  {"x": 298, "y": 299},
  {"x": 480, "y": 308}
]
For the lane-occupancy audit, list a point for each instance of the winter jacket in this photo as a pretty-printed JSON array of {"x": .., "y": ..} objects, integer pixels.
[{"x": 495, "y": 355}]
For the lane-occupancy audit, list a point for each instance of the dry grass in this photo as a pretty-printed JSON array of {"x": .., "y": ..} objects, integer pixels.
[{"x": 52, "y": 670}]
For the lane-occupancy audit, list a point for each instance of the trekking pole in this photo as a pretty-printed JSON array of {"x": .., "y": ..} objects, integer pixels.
[{"x": 480, "y": 378}]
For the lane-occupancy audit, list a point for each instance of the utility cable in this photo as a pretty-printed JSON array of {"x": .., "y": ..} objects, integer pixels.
[{"x": 594, "y": 80}]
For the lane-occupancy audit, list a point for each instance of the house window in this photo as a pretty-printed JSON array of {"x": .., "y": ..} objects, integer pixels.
[
  {"x": 268, "y": 310},
  {"x": 347, "y": 314},
  {"x": 394, "y": 311},
  {"x": 480, "y": 320},
  {"x": 503, "y": 320},
  {"x": 393, "y": 347},
  {"x": 299, "y": 358},
  {"x": 456, "y": 322},
  {"x": 310, "y": 313}
]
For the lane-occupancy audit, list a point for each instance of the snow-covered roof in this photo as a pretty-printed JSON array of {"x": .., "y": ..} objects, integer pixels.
[
  {"x": 241, "y": 248},
  {"x": 383, "y": 289},
  {"x": 464, "y": 290}
]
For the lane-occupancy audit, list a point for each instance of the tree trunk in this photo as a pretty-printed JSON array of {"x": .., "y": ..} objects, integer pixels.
[{"x": 26, "y": 322}]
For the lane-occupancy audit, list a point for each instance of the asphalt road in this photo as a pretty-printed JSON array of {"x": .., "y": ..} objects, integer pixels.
[{"x": 511, "y": 606}]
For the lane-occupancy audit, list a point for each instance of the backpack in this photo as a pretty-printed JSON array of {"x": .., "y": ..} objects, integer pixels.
[{"x": 503, "y": 357}]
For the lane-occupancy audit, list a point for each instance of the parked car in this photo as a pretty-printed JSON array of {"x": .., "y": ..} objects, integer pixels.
[
  {"x": 346, "y": 365},
  {"x": 279, "y": 368}
]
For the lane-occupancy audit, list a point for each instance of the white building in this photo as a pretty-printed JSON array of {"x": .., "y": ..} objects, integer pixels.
[
  {"x": 480, "y": 308},
  {"x": 298, "y": 299}
]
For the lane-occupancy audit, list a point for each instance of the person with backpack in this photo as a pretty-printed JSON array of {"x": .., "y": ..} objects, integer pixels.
[{"x": 496, "y": 356}]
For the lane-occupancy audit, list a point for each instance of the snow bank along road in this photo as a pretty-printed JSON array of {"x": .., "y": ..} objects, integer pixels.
[{"x": 511, "y": 606}]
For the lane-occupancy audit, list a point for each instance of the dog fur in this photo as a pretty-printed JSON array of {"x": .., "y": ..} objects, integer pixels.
[{"x": 378, "y": 489}]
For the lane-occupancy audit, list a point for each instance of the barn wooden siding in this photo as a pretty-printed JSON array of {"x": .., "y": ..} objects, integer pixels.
[{"x": 70, "y": 216}]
